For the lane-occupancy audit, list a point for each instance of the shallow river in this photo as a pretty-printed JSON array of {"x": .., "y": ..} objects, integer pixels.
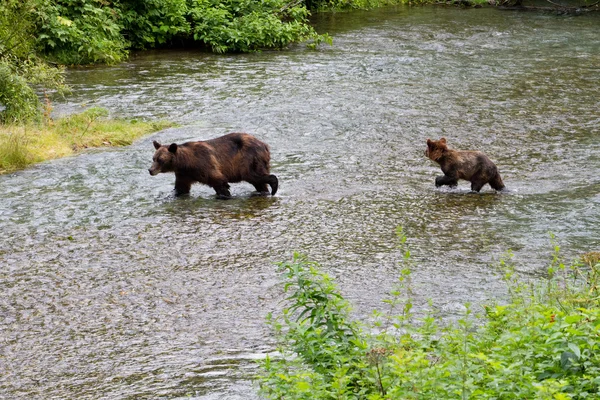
[{"x": 111, "y": 288}]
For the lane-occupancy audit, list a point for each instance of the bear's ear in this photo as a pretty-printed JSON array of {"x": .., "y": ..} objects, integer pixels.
[
  {"x": 429, "y": 142},
  {"x": 173, "y": 147},
  {"x": 156, "y": 145},
  {"x": 443, "y": 140}
]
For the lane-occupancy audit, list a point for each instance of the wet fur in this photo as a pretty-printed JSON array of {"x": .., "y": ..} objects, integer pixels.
[
  {"x": 217, "y": 162},
  {"x": 472, "y": 166}
]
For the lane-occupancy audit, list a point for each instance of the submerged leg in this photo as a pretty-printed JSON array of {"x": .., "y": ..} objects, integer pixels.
[
  {"x": 261, "y": 188},
  {"x": 477, "y": 185},
  {"x": 182, "y": 186},
  {"x": 222, "y": 190},
  {"x": 445, "y": 180}
]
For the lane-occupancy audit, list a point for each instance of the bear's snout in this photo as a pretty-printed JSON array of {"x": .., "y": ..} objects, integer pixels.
[{"x": 152, "y": 171}]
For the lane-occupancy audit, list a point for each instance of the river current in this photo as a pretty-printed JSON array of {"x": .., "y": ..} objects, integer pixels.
[{"x": 112, "y": 288}]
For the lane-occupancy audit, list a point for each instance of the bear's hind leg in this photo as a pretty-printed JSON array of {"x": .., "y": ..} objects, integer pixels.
[{"x": 261, "y": 188}]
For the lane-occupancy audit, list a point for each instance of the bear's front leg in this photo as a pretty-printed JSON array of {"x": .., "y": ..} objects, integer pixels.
[
  {"x": 445, "y": 180},
  {"x": 182, "y": 186},
  {"x": 476, "y": 186}
]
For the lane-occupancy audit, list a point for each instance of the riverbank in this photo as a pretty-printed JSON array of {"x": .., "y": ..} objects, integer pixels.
[{"x": 24, "y": 145}]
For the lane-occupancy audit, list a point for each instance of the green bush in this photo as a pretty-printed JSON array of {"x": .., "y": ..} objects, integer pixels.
[
  {"x": 16, "y": 96},
  {"x": 149, "y": 23},
  {"x": 246, "y": 25},
  {"x": 20, "y": 68},
  {"x": 80, "y": 32},
  {"x": 542, "y": 344},
  {"x": 94, "y": 31}
]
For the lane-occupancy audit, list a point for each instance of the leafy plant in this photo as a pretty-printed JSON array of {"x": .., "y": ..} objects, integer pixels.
[
  {"x": 245, "y": 25},
  {"x": 20, "y": 67},
  {"x": 153, "y": 22},
  {"x": 544, "y": 343},
  {"x": 16, "y": 95},
  {"x": 80, "y": 31}
]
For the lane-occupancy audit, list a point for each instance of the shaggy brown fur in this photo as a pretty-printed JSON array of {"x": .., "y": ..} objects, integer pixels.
[
  {"x": 231, "y": 158},
  {"x": 473, "y": 166}
]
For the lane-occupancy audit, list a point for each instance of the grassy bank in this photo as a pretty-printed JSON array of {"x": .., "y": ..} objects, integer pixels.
[
  {"x": 23, "y": 145},
  {"x": 543, "y": 342}
]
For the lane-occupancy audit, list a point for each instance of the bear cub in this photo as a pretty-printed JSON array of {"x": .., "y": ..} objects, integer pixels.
[
  {"x": 473, "y": 166},
  {"x": 217, "y": 162}
]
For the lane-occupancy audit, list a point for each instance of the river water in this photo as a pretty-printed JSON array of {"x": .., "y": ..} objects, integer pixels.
[{"x": 111, "y": 288}]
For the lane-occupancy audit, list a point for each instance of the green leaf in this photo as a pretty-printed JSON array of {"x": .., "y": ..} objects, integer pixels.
[
  {"x": 303, "y": 386},
  {"x": 566, "y": 359},
  {"x": 572, "y": 319},
  {"x": 575, "y": 349}
]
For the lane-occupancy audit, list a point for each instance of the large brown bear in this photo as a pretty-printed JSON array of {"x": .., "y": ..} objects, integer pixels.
[
  {"x": 234, "y": 157},
  {"x": 473, "y": 166}
]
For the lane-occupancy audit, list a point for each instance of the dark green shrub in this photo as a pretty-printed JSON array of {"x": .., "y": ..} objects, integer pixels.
[
  {"x": 149, "y": 23},
  {"x": 80, "y": 31}
]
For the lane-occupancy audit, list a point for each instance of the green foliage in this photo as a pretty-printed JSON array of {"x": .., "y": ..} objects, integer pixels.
[
  {"x": 318, "y": 330},
  {"x": 100, "y": 31},
  {"x": 246, "y": 25},
  {"x": 148, "y": 23},
  {"x": 542, "y": 344},
  {"x": 16, "y": 28},
  {"x": 18, "y": 98},
  {"x": 80, "y": 31},
  {"x": 20, "y": 67}
]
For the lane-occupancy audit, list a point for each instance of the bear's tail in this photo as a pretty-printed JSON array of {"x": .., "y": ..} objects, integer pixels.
[{"x": 274, "y": 183}]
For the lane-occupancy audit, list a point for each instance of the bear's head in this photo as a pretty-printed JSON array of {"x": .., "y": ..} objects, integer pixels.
[
  {"x": 436, "y": 148},
  {"x": 163, "y": 160}
]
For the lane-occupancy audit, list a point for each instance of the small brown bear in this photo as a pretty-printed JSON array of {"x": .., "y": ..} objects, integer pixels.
[
  {"x": 232, "y": 158},
  {"x": 473, "y": 166}
]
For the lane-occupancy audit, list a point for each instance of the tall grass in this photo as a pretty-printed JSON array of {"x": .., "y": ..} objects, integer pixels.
[
  {"x": 23, "y": 145},
  {"x": 13, "y": 150}
]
